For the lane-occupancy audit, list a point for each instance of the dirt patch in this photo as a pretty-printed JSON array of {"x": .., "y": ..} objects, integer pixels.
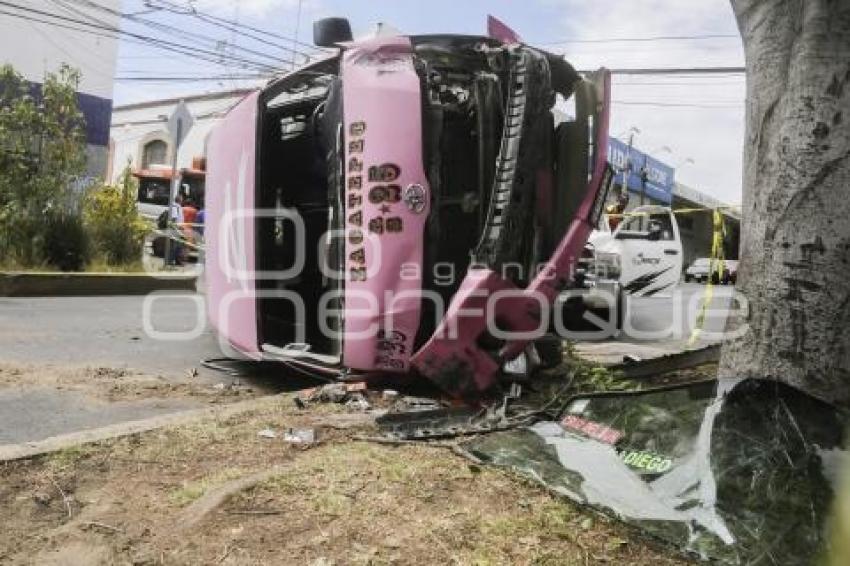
[
  {"x": 144, "y": 500},
  {"x": 119, "y": 384}
]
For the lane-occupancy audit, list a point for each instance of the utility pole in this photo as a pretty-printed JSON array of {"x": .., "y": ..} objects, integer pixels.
[
  {"x": 295, "y": 37},
  {"x": 628, "y": 173}
]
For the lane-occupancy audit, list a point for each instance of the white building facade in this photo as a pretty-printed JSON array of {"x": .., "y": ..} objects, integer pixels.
[
  {"x": 139, "y": 136},
  {"x": 140, "y": 140}
]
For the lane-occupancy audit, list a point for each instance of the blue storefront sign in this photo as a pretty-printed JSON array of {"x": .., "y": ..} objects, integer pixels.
[{"x": 659, "y": 176}]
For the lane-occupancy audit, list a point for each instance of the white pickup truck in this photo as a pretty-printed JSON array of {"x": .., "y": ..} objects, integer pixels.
[{"x": 641, "y": 257}]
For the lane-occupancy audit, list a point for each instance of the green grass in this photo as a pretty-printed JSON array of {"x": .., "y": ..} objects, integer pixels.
[
  {"x": 95, "y": 265},
  {"x": 68, "y": 457},
  {"x": 194, "y": 490}
]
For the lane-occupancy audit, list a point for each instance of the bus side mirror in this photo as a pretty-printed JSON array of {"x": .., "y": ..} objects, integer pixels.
[{"x": 328, "y": 32}]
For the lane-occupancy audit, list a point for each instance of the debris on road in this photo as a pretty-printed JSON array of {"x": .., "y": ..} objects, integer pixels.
[
  {"x": 352, "y": 395},
  {"x": 410, "y": 404},
  {"x": 357, "y": 402},
  {"x": 303, "y": 436},
  {"x": 330, "y": 393},
  {"x": 389, "y": 394},
  {"x": 420, "y": 418}
]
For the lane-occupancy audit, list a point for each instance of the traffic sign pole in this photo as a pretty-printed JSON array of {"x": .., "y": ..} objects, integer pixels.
[{"x": 179, "y": 125}]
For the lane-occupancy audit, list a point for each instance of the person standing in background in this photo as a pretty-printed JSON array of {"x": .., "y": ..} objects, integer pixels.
[
  {"x": 190, "y": 214},
  {"x": 176, "y": 218}
]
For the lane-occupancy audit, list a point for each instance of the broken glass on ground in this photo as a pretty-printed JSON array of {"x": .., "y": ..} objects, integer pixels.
[
  {"x": 417, "y": 418},
  {"x": 738, "y": 471}
]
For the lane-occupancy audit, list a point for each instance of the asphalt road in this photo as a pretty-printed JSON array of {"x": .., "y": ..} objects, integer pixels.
[
  {"x": 658, "y": 326},
  {"x": 31, "y": 414},
  {"x": 111, "y": 331},
  {"x": 676, "y": 317},
  {"x": 107, "y": 331},
  {"x": 95, "y": 332}
]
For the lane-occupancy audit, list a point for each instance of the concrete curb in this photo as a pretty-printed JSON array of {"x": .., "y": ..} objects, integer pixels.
[
  {"x": 11, "y": 452},
  {"x": 24, "y": 284},
  {"x": 24, "y": 450}
]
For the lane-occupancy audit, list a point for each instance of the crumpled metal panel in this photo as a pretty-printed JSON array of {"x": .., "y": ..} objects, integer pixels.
[{"x": 738, "y": 471}]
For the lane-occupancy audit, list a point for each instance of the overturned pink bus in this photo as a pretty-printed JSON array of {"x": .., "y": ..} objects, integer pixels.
[{"x": 407, "y": 205}]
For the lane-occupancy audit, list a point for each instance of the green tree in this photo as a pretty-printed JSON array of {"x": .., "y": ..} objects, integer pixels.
[
  {"x": 112, "y": 219},
  {"x": 42, "y": 150}
]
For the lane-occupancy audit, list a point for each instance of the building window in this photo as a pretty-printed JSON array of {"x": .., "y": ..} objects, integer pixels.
[{"x": 154, "y": 153}]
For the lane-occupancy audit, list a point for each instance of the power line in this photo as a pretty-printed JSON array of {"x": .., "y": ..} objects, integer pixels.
[
  {"x": 165, "y": 28},
  {"x": 228, "y": 24},
  {"x": 135, "y": 17},
  {"x": 91, "y": 28},
  {"x": 58, "y": 25},
  {"x": 698, "y": 37},
  {"x": 297, "y": 28},
  {"x": 233, "y": 40},
  {"x": 91, "y": 32},
  {"x": 155, "y": 42},
  {"x": 235, "y": 27}
]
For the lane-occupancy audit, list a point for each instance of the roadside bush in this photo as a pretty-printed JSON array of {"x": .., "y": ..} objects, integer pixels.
[
  {"x": 42, "y": 152},
  {"x": 117, "y": 231},
  {"x": 65, "y": 244}
]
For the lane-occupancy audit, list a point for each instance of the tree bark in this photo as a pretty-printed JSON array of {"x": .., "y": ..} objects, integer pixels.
[{"x": 795, "y": 233}]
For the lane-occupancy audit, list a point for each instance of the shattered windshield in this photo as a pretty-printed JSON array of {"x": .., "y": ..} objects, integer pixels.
[{"x": 736, "y": 471}]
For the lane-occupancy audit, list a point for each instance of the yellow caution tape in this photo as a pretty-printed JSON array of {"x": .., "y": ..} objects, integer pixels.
[
  {"x": 717, "y": 266},
  {"x": 677, "y": 211},
  {"x": 187, "y": 243},
  {"x": 175, "y": 238},
  {"x": 177, "y": 224}
]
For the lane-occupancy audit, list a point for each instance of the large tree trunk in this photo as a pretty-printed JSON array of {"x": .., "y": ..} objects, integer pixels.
[{"x": 795, "y": 234}]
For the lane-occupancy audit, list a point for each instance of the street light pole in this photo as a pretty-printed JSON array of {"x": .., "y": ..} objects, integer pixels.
[{"x": 629, "y": 166}]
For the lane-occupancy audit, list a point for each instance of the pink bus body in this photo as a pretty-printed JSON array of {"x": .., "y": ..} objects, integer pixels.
[{"x": 338, "y": 194}]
